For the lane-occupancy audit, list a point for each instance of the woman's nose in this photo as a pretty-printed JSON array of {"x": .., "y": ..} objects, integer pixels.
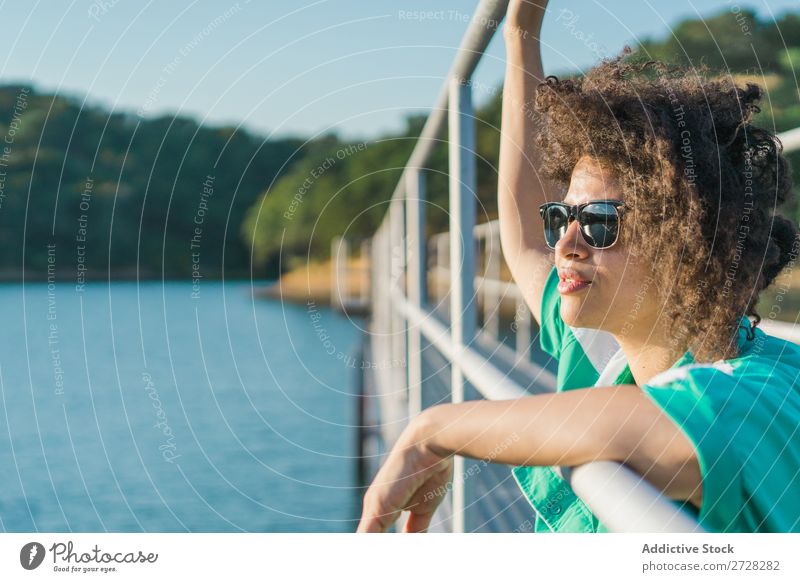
[{"x": 572, "y": 245}]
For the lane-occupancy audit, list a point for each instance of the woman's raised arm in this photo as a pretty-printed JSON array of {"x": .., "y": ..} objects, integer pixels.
[{"x": 520, "y": 189}]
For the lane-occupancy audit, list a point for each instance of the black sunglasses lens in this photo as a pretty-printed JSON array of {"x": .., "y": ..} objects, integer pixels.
[
  {"x": 600, "y": 224},
  {"x": 556, "y": 220}
]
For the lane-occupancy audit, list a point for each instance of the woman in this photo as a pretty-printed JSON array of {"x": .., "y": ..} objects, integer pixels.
[{"x": 642, "y": 276}]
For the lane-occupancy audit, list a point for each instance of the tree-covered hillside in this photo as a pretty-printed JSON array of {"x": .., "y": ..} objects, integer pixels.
[{"x": 85, "y": 193}]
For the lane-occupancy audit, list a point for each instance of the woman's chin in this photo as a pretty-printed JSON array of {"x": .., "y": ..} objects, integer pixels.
[
  {"x": 576, "y": 313},
  {"x": 573, "y": 317}
]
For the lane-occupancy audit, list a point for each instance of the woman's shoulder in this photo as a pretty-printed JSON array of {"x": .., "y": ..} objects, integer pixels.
[
  {"x": 761, "y": 385},
  {"x": 764, "y": 359},
  {"x": 770, "y": 360},
  {"x": 742, "y": 415}
]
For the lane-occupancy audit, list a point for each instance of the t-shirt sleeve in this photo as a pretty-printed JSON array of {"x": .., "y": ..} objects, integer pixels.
[
  {"x": 743, "y": 423},
  {"x": 551, "y": 331},
  {"x": 684, "y": 394}
]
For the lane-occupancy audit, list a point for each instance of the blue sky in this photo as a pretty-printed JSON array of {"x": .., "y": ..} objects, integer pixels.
[{"x": 297, "y": 67}]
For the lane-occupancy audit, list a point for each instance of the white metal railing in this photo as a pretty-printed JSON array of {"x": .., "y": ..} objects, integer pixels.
[
  {"x": 345, "y": 295},
  {"x": 401, "y": 321},
  {"x": 790, "y": 139}
]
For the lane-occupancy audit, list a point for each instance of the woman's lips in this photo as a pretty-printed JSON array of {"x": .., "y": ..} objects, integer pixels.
[{"x": 571, "y": 286}]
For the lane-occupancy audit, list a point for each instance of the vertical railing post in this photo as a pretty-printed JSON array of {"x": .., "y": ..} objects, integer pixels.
[
  {"x": 416, "y": 280},
  {"x": 491, "y": 272},
  {"x": 522, "y": 319},
  {"x": 385, "y": 266},
  {"x": 442, "y": 263},
  {"x": 385, "y": 259},
  {"x": 397, "y": 259},
  {"x": 339, "y": 282},
  {"x": 366, "y": 269},
  {"x": 376, "y": 282},
  {"x": 344, "y": 272},
  {"x": 461, "y": 127},
  {"x": 334, "y": 270}
]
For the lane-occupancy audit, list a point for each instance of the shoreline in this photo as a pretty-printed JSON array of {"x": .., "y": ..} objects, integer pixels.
[{"x": 313, "y": 281}]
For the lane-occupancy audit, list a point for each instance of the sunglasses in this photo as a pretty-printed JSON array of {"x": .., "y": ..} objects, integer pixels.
[{"x": 598, "y": 220}]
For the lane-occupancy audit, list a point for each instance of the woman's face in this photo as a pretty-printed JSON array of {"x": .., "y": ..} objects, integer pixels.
[{"x": 620, "y": 292}]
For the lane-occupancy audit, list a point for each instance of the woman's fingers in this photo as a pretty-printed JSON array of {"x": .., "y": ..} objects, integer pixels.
[
  {"x": 368, "y": 526},
  {"x": 374, "y": 517},
  {"x": 418, "y": 522},
  {"x": 373, "y": 520},
  {"x": 413, "y": 478},
  {"x": 427, "y": 498},
  {"x": 383, "y": 502},
  {"x": 372, "y": 523}
]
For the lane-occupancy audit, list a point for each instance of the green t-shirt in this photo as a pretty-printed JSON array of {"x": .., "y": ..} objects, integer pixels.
[{"x": 742, "y": 415}]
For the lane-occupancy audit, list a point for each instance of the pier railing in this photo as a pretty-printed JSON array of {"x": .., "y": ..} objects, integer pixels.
[{"x": 405, "y": 325}]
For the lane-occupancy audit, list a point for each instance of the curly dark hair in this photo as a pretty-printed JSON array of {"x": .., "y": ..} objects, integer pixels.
[{"x": 701, "y": 181}]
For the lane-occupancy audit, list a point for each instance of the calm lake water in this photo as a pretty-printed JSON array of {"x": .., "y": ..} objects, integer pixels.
[{"x": 130, "y": 407}]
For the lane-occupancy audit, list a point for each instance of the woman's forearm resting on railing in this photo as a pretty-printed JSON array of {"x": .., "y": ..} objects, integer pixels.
[{"x": 617, "y": 423}]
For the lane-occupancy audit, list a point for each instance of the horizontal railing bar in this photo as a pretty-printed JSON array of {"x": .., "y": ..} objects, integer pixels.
[
  {"x": 782, "y": 329},
  {"x": 485, "y": 229},
  {"x": 617, "y": 496},
  {"x": 790, "y": 139},
  {"x": 486, "y": 379},
  {"x": 545, "y": 380},
  {"x": 479, "y": 231},
  {"x": 507, "y": 289}
]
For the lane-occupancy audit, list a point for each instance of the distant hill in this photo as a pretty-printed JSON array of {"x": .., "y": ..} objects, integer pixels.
[
  {"x": 343, "y": 188},
  {"x": 110, "y": 194}
]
